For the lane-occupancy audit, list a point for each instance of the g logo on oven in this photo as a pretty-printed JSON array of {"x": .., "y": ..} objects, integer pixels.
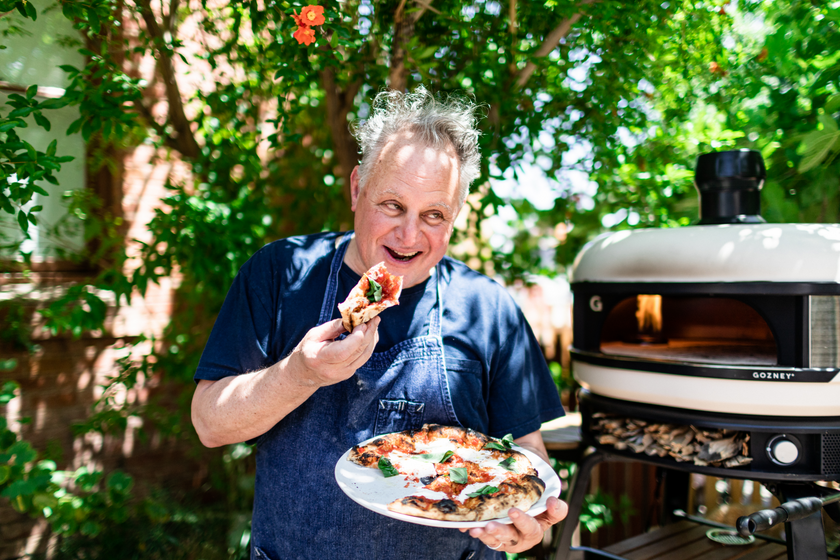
[{"x": 595, "y": 304}]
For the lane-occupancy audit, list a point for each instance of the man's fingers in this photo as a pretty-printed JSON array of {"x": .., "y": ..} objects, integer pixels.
[
  {"x": 358, "y": 345},
  {"x": 555, "y": 512},
  {"x": 525, "y": 524},
  {"x": 328, "y": 331},
  {"x": 368, "y": 343},
  {"x": 525, "y": 532}
]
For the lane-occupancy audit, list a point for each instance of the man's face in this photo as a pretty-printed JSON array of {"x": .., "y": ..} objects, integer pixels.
[{"x": 405, "y": 213}]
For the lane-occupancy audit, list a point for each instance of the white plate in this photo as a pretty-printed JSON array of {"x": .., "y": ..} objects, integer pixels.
[{"x": 369, "y": 488}]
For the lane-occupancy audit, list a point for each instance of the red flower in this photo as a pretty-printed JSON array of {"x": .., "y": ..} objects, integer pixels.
[
  {"x": 304, "y": 35},
  {"x": 312, "y": 15},
  {"x": 298, "y": 19}
]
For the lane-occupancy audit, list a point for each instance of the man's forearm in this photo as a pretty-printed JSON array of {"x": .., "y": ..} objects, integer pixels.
[
  {"x": 534, "y": 442},
  {"x": 245, "y": 406}
]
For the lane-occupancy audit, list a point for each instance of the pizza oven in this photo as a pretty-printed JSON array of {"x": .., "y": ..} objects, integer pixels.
[
  {"x": 714, "y": 348},
  {"x": 730, "y": 325}
]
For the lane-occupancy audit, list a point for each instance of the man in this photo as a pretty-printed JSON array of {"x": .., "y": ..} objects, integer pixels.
[{"x": 280, "y": 369}]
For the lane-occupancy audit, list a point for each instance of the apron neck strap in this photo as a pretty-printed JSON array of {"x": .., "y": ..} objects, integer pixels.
[{"x": 329, "y": 303}]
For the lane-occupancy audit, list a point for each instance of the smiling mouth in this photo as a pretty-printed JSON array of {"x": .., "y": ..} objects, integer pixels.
[{"x": 404, "y": 257}]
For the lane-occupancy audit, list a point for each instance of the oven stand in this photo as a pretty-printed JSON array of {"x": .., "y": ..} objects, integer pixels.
[
  {"x": 578, "y": 487},
  {"x": 805, "y": 536}
]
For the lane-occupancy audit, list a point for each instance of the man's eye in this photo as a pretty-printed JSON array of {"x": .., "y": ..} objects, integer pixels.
[{"x": 435, "y": 216}]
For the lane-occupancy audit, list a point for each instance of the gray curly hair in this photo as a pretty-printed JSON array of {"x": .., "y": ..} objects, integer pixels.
[{"x": 438, "y": 123}]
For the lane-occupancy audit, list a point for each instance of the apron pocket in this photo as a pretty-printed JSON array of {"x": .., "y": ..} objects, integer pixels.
[{"x": 397, "y": 415}]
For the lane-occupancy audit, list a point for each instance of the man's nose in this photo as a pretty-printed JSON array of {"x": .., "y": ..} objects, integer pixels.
[{"x": 408, "y": 231}]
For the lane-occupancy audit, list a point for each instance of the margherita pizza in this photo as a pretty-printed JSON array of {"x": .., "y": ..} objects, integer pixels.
[
  {"x": 376, "y": 291},
  {"x": 465, "y": 475}
]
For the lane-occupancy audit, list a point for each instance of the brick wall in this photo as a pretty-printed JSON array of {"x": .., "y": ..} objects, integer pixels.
[{"x": 63, "y": 377}]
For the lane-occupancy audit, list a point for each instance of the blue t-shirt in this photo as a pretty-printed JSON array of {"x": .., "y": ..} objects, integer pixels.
[{"x": 498, "y": 378}]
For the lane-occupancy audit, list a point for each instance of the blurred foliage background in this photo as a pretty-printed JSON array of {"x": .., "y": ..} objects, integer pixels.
[{"x": 594, "y": 113}]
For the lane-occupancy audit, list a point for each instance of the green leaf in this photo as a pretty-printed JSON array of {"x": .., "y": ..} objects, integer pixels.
[
  {"x": 426, "y": 53},
  {"x": 31, "y": 12},
  {"x": 32, "y": 91},
  {"x": 374, "y": 292},
  {"x": 42, "y": 121},
  {"x": 829, "y": 124},
  {"x": 55, "y": 103},
  {"x": 832, "y": 104},
  {"x": 9, "y": 125},
  {"x": 387, "y": 468},
  {"x": 434, "y": 457},
  {"x": 458, "y": 475},
  {"x": 5, "y": 473},
  {"x": 52, "y": 147},
  {"x": 21, "y": 112},
  {"x": 487, "y": 490},
  {"x": 507, "y": 464},
  {"x": 23, "y": 452},
  {"x": 501, "y": 445},
  {"x": 23, "y": 222},
  {"x": 815, "y": 147},
  {"x": 90, "y": 528}
]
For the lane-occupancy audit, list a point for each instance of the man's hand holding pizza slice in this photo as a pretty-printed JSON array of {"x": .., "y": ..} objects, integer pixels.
[{"x": 376, "y": 291}]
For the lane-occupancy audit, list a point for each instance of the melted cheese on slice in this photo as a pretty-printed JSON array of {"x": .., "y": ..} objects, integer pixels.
[
  {"x": 412, "y": 466},
  {"x": 416, "y": 467}
]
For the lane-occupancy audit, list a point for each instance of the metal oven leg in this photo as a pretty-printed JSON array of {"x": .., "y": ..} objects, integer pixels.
[{"x": 562, "y": 541}]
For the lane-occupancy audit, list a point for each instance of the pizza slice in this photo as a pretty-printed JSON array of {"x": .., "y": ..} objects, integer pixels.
[{"x": 376, "y": 291}]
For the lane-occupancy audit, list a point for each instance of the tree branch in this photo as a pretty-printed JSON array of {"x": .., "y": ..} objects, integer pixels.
[
  {"x": 185, "y": 140},
  {"x": 339, "y": 104},
  {"x": 403, "y": 30},
  {"x": 549, "y": 44}
]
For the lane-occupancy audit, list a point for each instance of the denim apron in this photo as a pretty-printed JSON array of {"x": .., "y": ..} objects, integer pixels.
[{"x": 299, "y": 510}]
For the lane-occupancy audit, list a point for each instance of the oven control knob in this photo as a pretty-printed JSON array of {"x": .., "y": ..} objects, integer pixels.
[{"x": 783, "y": 451}]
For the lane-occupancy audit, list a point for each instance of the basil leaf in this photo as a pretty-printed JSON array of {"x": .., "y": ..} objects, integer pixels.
[
  {"x": 458, "y": 475},
  {"x": 507, "y": 464},
  {"x": 482, "y": 491},
  {"x": 446, "y": 456},
  {"x": 434, "y": 457},
  {"x": 374, "y": 292},
  {"x": 387, "y": 468},
  {"x": 502, "y": 445}
]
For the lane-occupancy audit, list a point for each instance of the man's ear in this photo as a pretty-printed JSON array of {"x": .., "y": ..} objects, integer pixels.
[{"x": 355, "y": 188}]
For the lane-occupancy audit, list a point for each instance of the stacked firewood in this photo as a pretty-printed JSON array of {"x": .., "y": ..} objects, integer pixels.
[{"x": 704, "y": 447}]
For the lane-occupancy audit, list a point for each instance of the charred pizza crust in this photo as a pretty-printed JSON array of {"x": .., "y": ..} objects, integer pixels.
[
  {"x": 358, "y": 309},
  {"x": 521, "y": 492},
  {"x": 517, "y": 486}
]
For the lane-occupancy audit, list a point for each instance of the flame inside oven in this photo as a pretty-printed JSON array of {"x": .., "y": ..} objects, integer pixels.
[{"x": 649, "y": 316}]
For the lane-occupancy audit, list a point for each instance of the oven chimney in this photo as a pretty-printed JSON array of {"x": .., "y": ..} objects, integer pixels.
[{"x": 729, "y": 184}]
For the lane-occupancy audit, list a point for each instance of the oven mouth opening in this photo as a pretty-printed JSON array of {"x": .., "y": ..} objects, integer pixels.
[{"x": 702, "y": 330}]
